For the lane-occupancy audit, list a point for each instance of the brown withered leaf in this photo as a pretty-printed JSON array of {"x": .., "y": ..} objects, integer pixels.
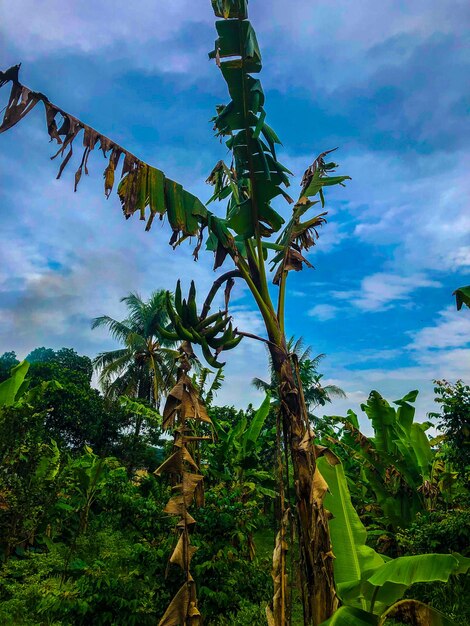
[
  {"x": 292, "y": 261},
  {"x": 329, "y": 455},
  {"x": 183, "y": 552},
  {"x": 21, "y": 102},
  {"x": 177, "y": 611},
  {"x": 319, "y": 488},
  {"x": 189, "y": 459},
  {"x": 415, "y": 613},
  {"x": 279, "y": 606},
  {"x": 175, "y": 506},
  {"x": 188, "y": 486},
  {"x": 172, "y": 404},
  {"x": 199, "y": 497},
  {"x": 172, "y": 465},
  {"x": 187, "y": 520},
  {"x": 137, "y": 190},
  {"x": 270, "y": 616}
]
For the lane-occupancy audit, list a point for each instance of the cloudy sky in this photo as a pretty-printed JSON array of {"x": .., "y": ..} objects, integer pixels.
[{"x": 386, "y": 82}]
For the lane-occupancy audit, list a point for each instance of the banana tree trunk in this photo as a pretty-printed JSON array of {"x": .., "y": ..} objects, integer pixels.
[{"x": 316, "y": 558}]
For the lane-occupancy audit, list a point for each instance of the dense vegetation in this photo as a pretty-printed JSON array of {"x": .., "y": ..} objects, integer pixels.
[
  {"x": 95, "y": 499},
  {"x": 84, "y": 538}
]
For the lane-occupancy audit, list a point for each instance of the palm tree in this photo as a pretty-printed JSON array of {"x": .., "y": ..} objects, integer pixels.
[
  {"x": 314, "y": 392},
  {"x": 144, "y": 367}
]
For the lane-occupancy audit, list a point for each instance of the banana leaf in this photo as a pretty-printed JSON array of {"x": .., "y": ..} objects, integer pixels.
[
  {"x": 10, "y": 388},
  {"x": 415, "y": 613},
  {"x": 349, "y": 616},
  {"x": 353, "y": 558}
]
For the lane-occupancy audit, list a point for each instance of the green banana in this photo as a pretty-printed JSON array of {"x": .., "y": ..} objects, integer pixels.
[
  {"x": 218, "y": 342},
  {"x": 178, "y": 305},
  {"x": 207, "y": 321},
  {"x": 192, "y": 308},
  {"x": 167, "y": 334},
  {"x": 218, "y": 327},
  {"x": 210, "y": 358},
  {"x": 185, "y": 316},
  {"x": 232, "y": 343},
  {"x": 182, "y": 332}
]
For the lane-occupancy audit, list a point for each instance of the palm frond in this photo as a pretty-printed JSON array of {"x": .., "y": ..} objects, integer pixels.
[
  {"x": 103, "y": 359},
  {"x": 261, "y": 385},
  {"x": 118, "y": 330},
  {"x": 333, "y": 391}
]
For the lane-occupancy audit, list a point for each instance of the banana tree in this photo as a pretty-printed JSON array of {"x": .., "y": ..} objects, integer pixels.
[
  {"x": 370, "y": 585},
  {"x": 238, "y": 448},
  {"x": 250, "y": 235},
  {"x": 399, "y": 462}
]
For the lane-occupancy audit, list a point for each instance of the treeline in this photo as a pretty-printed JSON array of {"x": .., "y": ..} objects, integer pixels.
[{"x": 83, "y": 534}]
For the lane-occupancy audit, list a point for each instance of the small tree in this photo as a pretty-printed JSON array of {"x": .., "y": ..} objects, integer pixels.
[
  {"x": 454, "y": 422},
  {"x": 248, "y": 182}
]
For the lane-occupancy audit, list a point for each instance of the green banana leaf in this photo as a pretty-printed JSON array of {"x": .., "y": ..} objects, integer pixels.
[
  {"x": 388, "y": 583},
  {"x": 364, "y": 579},
  {"x": 251, "y": 436},
  {"x": 349, "y": 616},
  {"x": 383, "y": 419},
  {"x": 353, "y": 558},
  {"x": 10, "y": 387}
]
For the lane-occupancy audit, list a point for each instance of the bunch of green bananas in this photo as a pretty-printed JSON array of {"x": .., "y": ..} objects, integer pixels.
[{"x": 213, "y": 332}]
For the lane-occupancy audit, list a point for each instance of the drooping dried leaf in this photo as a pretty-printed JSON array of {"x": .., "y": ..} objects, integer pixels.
[
  {"x": 189, "y": 459},
  {"x": 172, "y": 465},
  {"x": 141, "y": 186},
  {"x": 187, "y": 520},
  {"x": 319, "y": 488},
  {"x": 278, "y": 610},
  {"x": 175, "y": 506},
  {"x": 329, "y": 455},
  {"x": 177, "y": 611},
  {"x": 183, "y": 552},
  {"x": 188, "y": 486},
  {"x": 416, "y": 614},
  {"x": 270, "y": 616}
]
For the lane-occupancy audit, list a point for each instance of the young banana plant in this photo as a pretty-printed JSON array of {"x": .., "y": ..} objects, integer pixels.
[{"x": 249, "y": 183}]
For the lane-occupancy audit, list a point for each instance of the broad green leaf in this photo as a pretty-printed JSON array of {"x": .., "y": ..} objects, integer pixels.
[
  {"x": 319, "y": 181},
  {"x": 49, "y": 462},
  {"x": 349, "y": 616},
  {"x": 406, "y": 411},
  {"x": 383, "y": 418},
  {"x": 252, "y": 434},
  {"x": 407, "y": 570},
  {"x": 9, "y": 388},
  {"x": 353, "y": 558},
  {"x": 394, "y": 577},
  {"x": 422, "y": 448},
  {"x": 230, "y": 8}
]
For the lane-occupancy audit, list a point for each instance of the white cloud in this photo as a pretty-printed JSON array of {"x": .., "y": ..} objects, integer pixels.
[
  {"x": 452, "y": 330},
  {"x": 323, "y": 312},
  {"x": 155, "y": 34},
  {"x": 146, "y": 35},
  {"x": 383, "y": 290},
  {"x": 422, "y": 212}
]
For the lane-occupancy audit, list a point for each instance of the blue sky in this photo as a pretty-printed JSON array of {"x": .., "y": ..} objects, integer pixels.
[{"x": 386, "y": 82}]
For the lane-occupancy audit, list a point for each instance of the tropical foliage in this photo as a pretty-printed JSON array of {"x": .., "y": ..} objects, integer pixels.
[
  {"x": 87, "y": 536},
  {"x": 86, "y": 526},
  {"x": 143, "y": 367}
]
